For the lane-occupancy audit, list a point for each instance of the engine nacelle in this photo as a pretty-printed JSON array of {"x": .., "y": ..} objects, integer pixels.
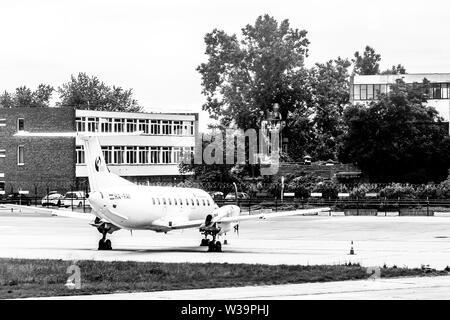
[{"x": 222, "y": 212}]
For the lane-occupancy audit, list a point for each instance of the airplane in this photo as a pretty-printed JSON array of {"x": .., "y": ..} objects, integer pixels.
[{"x": 120, "y": 204}]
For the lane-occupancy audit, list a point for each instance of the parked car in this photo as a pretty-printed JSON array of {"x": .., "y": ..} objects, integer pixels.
[
  {"x": 73, "y": 198},
  {"x": 52, "y": 199},
  {"x": 241, "y": 196},
  {"x": 18, "y": 198},
  {"x": 217, "y": 195}
]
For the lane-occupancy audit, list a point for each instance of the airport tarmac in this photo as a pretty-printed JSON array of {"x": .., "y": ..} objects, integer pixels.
[
  {"x": 402, "y": 241},
  {"x": 379, "y": 289}
]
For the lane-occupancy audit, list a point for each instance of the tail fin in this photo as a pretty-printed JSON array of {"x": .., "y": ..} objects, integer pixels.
[{"x": 98, "y": 173}]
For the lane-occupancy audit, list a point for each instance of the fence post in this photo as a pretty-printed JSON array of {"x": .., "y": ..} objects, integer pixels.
[
  {"x": 357, "y": 205},
  {"x": 48, "y": 190}
]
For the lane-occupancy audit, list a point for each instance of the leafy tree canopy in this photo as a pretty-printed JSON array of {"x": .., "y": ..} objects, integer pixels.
[
  {"x": 25, "y": 97},
  {"x": 243, "y": 78},
  {"x": 88, "y": 92}
]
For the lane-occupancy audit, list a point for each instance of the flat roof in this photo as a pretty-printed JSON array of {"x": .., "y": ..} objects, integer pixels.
[
  {"x": 143, "y": 115},
  {"x": 408, "y": 78}
]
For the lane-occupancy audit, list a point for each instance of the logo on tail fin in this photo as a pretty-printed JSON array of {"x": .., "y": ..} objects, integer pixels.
[{"x": 98, "y": 162}]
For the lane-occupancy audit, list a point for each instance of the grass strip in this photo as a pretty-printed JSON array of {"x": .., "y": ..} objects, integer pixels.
[{"x": 20, "y": 278}]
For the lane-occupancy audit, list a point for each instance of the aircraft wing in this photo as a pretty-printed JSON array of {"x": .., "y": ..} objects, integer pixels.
[
  {"x": 302, "y": 212},
  {"x": 55, "y": 212}
]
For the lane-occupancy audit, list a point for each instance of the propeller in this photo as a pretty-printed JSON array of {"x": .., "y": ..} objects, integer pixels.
[{"x": 236, "y": 229}]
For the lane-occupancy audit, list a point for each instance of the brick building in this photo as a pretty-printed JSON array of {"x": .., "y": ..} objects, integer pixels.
[{"x": 36, "y": 164}]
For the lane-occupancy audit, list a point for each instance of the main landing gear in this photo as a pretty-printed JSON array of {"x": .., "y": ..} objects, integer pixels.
[{"x": 104, "y": 244}]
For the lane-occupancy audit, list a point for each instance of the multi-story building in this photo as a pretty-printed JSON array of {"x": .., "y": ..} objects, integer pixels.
[
  {"x": 36, "y": 165},
  {"x": 365, "y": 88},
  {"x": 155, "y": 155}
]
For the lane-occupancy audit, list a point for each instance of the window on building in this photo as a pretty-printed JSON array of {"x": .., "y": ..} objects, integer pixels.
[
  {"x": 364, "y": 92},
  {"x": 131, "y": 125},
  {"x": 108, "y": 154},
  {"x": 370, "y": 92},
  {"x": 119, "y": 155},
  {"x": 2, "y": 153},
  {"x": 106, "y": 124},
  {"x": 178, "y": 128},
  {"x": 80, "y": 155},
  {"x": 445, "y": 89},
  {"x": 356, "y": 92},
  {"x": 143, "y": 155},
  {"x": 20, "y": 155},
  {"x": 177, "y": 154},
  {"x": 92, "y": 124},
  {"x": 20, "y": 124},
  {"x": 131, "y": 155},
  {"x": 166, "y": 127},
  {"x": 154, "y": 154},
  {"x": 155, "y": 127},
  {"x": 143, "y": 125},
  {"x": 166, "y": 155},
  {"x": 119, "y": 125},
  {"x": 80, "y": 124}
]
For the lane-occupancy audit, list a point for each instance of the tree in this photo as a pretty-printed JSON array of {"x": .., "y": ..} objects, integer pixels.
[
  {"x": 399, "y": 69},
  {"x": 330, "y": 88},
  {"x": 368, "y": 63},
  {"x": 88, "y": 92},
  {"x": 6, "y": 100},
  {"x": 398, "y": 138},
  {"x": 243, "y": 78},
  {"x": 25, "y": 97}
]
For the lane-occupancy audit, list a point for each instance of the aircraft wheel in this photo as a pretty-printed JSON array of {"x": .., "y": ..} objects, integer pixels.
[
  {"x": 104, "y": 245},
  {"x": 211, "y": 246}
]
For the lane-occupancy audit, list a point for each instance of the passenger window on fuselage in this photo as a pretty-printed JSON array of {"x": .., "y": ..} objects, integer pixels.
[
  {"x": 175, "y": 201},
  {"x": 198, "y": 203},
  {"x": 192, "y": 201},
  {"x": 181, "y": 201},
  {"x": 170, "y": 202},
  {"x": 207, "y": 201},
  {"x": 164, "y": 201},
  {"x": 203, "y": 201},
  {"x": 187, "y": 202},
  {"x": 153, "y": 200}
]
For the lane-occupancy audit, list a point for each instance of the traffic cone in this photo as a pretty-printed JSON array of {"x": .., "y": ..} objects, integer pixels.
[{"x": 351, "y": 249}]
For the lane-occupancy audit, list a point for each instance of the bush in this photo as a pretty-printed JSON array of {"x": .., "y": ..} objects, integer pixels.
[{"x": 396, "y": 190}]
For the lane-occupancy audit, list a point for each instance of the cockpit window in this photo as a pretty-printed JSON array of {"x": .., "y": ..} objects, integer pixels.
[
  {"x": 207, "y": 201},
  {"x": 203, "y": 201}
]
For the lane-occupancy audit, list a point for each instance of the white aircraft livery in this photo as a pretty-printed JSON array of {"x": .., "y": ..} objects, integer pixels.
[{"x": 119, "y": 204}]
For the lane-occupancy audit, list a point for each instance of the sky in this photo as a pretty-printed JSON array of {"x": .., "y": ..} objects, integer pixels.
[{"x": 154, "y": 47}]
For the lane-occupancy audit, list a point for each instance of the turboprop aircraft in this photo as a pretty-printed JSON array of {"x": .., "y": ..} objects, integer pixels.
[{"x": 119, "y": 204}]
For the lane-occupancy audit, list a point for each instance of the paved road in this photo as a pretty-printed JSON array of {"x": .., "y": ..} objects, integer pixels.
[{"x": 379, "y": 289}]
